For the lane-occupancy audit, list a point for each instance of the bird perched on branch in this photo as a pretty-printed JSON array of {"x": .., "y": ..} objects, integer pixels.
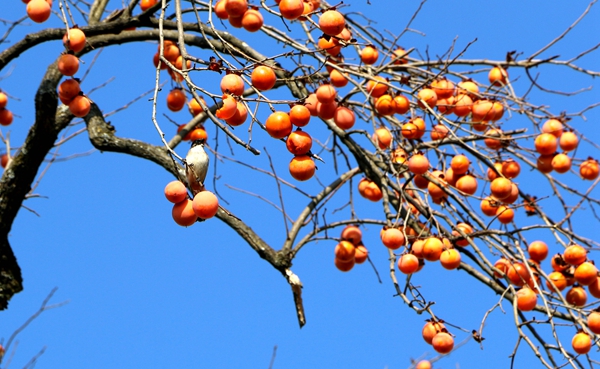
[{"x": 196, "y": 166}]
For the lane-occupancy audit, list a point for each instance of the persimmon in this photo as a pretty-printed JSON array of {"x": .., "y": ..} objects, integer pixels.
[
  {"x": 263, "y": 78},
  {"x": 492, "y": 141},
  {"x": 423, "y": 364},
  {"x": 291, "y": 9},
  {"x": 331, "y": 46},
  {"x": 236, "y": 8},
  {"x": 344, "y": 117},
  {"x": 432, "y": 249},
  {"x": 219, "y": 9},
  {"x": 576, "y": 296},
  {"x": 3, "y": 100},
  {"x": 69, "y": 88},
  {"x": 302, "y": 167},
  {"x": 68, "y": 65},
  {"x": 443, "y": 88},
  {"x": 559, "y": 280},
  {"x": 326, "y": 94},
  {"x": 518, "y": 274},
  {"x": 418, "y": 164},
  {"x": 377, "y": 86},
  {"x": 352, "y": 234},
  {"x": 594, "y": 288},
  {"x": 497, "y": 111},
  {"x": 337, "y": 78},
  {"x": 498, "y": 76},
  {"x": 299, "y": 142},
  {"x": 544, "y": 163},
  {"x": 568, "y": 141},
  {"x": 233, "y": 84},
  {"x": 171, "y": 52},
  {"x": 205, "y": 204},
  {"x": 434, "y": 190},
  {"x": 503, "y": 265},
  {"x": 361, "y": 254},
  {"x": 147, "y": 4},
  {"x": 586, "y": 273},
  {"x": 299, "y": 115},
  {"x": 38, "y": 10},
  {"x": 489, "y": 206},
  {"x": 526, "y": 299},
  {"x": 228, "y": 109},
  {"x": 538, "y": 250},
  {"x": 462, "y": 105},
  {"x": 344, "y": 266},
  {"x": 311, "y": 104},
  {"x": 369, "y": 190},
  {"x": 581, "y": 343},
  {"x": 6, "y": 117},
  {"x": 239, "y": 117},
  {"x": 501, "y": 188},
  {"x": 450, "y": 259},
  {"x": 197, "y": 134},
  {"x": 345, "y": 251},
  {"x": 409, "y": 130},
  {"x": 445, "y": 105},
  {"x": 575, "y": 255},
  {"x": 505, "y": 214},
  {"x": 369, "y": 55},
  {"x": 554, "y": 127},
  {"x": 252, "y": 20},
  {"x": 4, "y": 160},
  {"x": 75, "y": 40},
  {"x": 466, "y": 229},
  {"x": 430, "y": 329},
  {"x": 278, "y": 125},
  {"x": 460, "y": 164},
  {"x": 482, "y": 110},
  {"x": 439, "y": 132},
  {"x": 326, "y": 111},
  {"x": 384, "y": 105},
  {"x": 467, "y": 184},
  {"x": 420, "y": 181},
  {"x": 183, "y": 213},
  {"x": 420, "y": 124},
  {"x": 195, "y": 106},
  {"x": 408, "y": 264},
  {"x": 401, "y": 104},
  {"x": 469, "y": 88},
  {"x": 427, "y": 98},
  {"x": 510, "y": 168},
  {"x": 593, "y": 322},
  {"x": 589, "y": 169},
  {"x": 80, "y": 106},
  {"x": 175, "y": 192},
  {"x": 331, "y": 22},
  {"x": 546, "y": 144},
  {"x": 383, "y": 138},
  {"x": 491, "y": 174},
  {"x": 308, "y": 8},
  {"x": 392, "y": 238},
  {"x": 443, "y": 342},
  {"x": 176, "y": 99},
  {"x": 399, "y": 56},
  {"x": 561, "y": 163}
]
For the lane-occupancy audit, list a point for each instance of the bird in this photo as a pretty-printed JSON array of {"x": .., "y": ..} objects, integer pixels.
[{"x": 196, "y": 166}]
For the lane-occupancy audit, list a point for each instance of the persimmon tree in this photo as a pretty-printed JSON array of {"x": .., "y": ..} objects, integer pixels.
[{"x": 438, "y": 144}]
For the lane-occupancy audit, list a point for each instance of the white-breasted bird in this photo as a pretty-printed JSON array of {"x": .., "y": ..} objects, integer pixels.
[{"x": 196, "y": 166}]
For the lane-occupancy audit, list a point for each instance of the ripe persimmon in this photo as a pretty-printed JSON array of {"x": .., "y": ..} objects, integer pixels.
[
  {"x": 526, "y": 299},
  {"x": 432, "y": 249},
  {"x": 205, "y": 204},
  {"x": 445, "y": 105},
  {"x": 75, "y": 40},
  {"x": 423, "y": 364},
  {"x": 568, "y": 141},
  {"x": 561, "y": 163},
  {"x": 6, "y": 117},
  {"x": 460, "y": 164},
  {"x": 228, "y": 109},
  {"x": 68, "y": 65},
  {"x": 176, "y": 99},
  {"x": 427, "y": 98},
  {"x": 467, "y": 184},
  {"x": 278, "y": 124},
  {"x": 291, "y": 9},
  {"x": 559, "y": 280},
  {"x": 538, "y": 250},
  {"x": 439, "y": 132},
  {"x": 236, "y": 8},
  {"x": 510, "y": 168},
  {"x": 337, "y": 78},
  {"x": 450, "y": 259},
  {"x": 401, "y": 104},
  {"x": 252, "y": 20},
  {"x": 345, "y": 251},
  {"x": 147, "y": 4},
  {"x": 574, "y": 254},
  {"x": 361, "y": 254},
  {"x": 383, "y": 137},
  {"x": 369, "y": 190},
  {"x": 197, "y": 134},
  {"x": 498, "y": 76},
  {"x": 505, "y": 214},
  {"x": 586, "y": 273},
  {"x": 581, "y": 343},
  {"x": 326, "y": 94},
  {"x": 175, "y": 192},
  {"x": 233, "y": 84},
  {"x": 331, "y": 22},
  {"x": 331, "y": 46},
  {"x": 492, "y": 141},
  {"x": 462, "y": 105},
  {"x": 239, "y": 117},
  {"x": 430, "y": 329},
  {"x": 326, "y": 111},
  {"x": 466, "y": 229},
  {"x": 69, "y": 88},
  {"x": 377, "y": 86},
  {"x": 80, "y": 106},
  {"x": 352, "y": 234},
  {"x": 399, "y": 56},
  {"x": 299, "y": 115},
  {"x": 302, "y": 167},
  {"x": 593, "y": 322},
  {"x": 219, "y": 9},
  {"x": 501, "y": 188},
  {"x": 344, "y": 266},
  {"x": 299, "y": 142},
  {"x": 392, "y": 238},
  {"x": 443, "y": 342},
  {"x": 384, "y": 105},
  {"x": 38, "y": 10},
  {"x": 443, "y": 88},
  {"x": 554, "y": 127},
  {"x": 576, "y": 296},
  {"x": 408, "y": 264},
  {"x": 344, "y": 117},
  {"x": 263, "y": 77},
  {"x": 418, "y": 164},
  {"x": 369, "y": 55},
  {"x": 589, "y": 169},
  {"x": 546, "y": 144},
  {"x": 195, "y": 106},
  {"x": 544, "y": 163},
  {"x": 482, "y": 111},
  {"x": 3, "y": 100},
  {"x": 183, "y": 213}
]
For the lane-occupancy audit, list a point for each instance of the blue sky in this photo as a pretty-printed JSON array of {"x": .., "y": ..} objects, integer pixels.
[{"x": 144, "y": 292}]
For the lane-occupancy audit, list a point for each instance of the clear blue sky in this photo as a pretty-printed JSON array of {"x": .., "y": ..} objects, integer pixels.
[{"x": 144, "y": 292}]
